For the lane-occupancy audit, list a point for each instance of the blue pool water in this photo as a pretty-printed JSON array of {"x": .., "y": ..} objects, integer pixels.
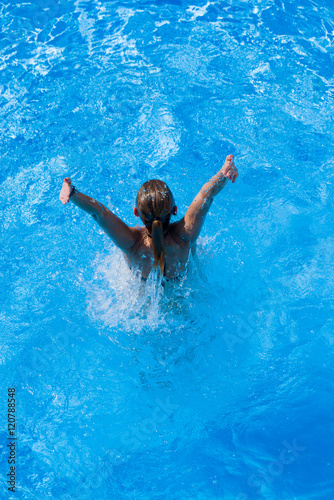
[{"x": 220, "y": 387}]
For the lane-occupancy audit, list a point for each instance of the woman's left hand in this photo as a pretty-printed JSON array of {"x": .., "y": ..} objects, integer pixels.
[{"x": 65, "y": 192}]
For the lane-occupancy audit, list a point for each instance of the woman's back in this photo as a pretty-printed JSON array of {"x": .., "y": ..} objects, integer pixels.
[{"x": 141, "y": 257}]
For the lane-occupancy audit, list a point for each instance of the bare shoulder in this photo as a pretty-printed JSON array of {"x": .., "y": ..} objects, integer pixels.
[
  {"x": 178, "y": 232},
  {"x": 136, "y": 231},
  {"x": 137, "y": 237}
]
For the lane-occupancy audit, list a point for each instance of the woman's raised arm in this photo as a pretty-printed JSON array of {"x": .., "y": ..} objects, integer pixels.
[
  {"x": 195, "y": 215},
  {"x": 122, "y": 235}
]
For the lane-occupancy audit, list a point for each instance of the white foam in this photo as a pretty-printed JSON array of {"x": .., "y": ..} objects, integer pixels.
[{"x": 197, "y": 11}]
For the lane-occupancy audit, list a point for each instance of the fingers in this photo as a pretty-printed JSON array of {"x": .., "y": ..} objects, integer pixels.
[
  {"x": 64, "y": 199},
  {"x": 232, "y": 174},
  {"x": 228, "y": 161},
  {"x": 64, "y": 193},
  {"x": 230, "y": 171}
]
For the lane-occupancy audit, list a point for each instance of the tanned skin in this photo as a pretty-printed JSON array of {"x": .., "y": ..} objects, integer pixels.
[{"x": 135, "y": 242}]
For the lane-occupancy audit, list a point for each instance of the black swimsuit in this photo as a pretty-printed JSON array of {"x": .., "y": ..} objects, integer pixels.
[{"x": 176, "y": 279}]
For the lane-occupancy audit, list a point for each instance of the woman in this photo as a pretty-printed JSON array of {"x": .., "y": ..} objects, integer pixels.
[{"x": 159, "y": 243}]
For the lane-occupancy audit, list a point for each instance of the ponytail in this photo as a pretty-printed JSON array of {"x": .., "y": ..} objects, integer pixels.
[{"x": 158, "y": 243}]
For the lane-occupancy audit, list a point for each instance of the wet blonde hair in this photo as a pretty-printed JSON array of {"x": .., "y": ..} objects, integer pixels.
[{"x": 155, "y": 203}]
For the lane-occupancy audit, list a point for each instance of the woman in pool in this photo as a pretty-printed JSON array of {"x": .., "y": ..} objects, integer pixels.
[{"x": 159, "y": 243}]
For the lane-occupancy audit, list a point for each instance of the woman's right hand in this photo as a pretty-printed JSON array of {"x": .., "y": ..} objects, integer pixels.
[
  {"x": 65, "y": 192},
  {"x": 229, "y": 169}
]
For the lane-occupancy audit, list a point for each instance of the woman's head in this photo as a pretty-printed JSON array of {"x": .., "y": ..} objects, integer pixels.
[
  {"x": 155, "y": 202},
  {"x": 155, "y": 205}
]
